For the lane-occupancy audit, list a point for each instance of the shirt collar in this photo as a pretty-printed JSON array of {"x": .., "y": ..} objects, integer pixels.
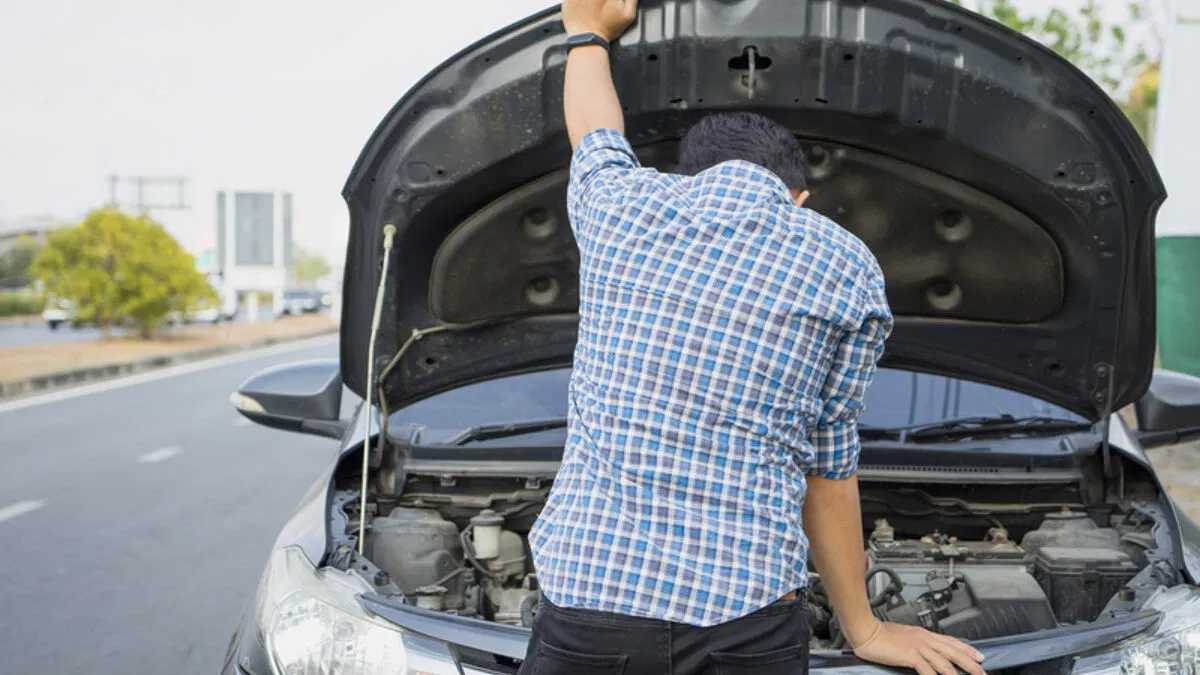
[{"x": 776, "y": 186}]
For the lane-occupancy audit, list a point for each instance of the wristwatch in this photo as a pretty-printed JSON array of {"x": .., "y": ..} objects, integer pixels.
[{"x": 583, "y": 39}]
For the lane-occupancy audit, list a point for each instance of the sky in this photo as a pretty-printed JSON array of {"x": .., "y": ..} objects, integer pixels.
[
  {"x": 262, "y": 94},
  {"x": 233, "y": 94}
]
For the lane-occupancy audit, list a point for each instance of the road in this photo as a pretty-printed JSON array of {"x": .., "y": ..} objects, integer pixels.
[{"x": 136, "y": 519}]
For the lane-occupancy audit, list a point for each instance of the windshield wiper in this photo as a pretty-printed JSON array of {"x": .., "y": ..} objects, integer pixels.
[
  {"x": 1001, "y": 425},
  {"x": 868, "y": 433},
  {"x": 966, "y": 427},
  {"x": 489, "y": 432}
]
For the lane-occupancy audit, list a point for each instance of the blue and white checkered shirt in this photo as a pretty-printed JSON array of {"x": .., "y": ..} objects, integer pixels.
[{"x": 726, "y": 338}]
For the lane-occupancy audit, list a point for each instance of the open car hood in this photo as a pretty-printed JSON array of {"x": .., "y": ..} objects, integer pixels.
[{"x": 1010, "y": 203}]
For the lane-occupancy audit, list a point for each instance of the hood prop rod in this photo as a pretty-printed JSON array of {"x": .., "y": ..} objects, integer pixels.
[
  {"x": 389, "y": 237},
  {"x": 375, "y": 383},
  {"x": 1104, "y": 372}
]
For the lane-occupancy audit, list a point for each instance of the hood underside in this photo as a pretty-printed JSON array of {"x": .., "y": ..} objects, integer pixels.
[{"x": 1009, "y": 202}]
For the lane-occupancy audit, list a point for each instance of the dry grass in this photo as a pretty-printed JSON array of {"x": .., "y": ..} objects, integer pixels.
[
  {"x": 1178, "y": 467},
  {"x": 18, "y": 363}
]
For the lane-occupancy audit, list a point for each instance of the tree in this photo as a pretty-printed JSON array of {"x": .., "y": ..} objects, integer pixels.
[
  {"x": 308, "y": 267},
  {"x": 117, "y": 269},
  {"x": 14, "y": 264},
  {"x": 1117, "y": 56}
]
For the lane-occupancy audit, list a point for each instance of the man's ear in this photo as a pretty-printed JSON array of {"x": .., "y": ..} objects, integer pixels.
[{"x": 800, "y": 198}]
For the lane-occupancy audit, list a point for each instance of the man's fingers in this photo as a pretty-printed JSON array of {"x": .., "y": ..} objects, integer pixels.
[
  {"x": 922, "y": 667},
  {"x": 961, "y": 655},
  {"x": 940, "y": 663},
  {"x": 629, "y": 9},
  {"x": 960, "y": 646}
]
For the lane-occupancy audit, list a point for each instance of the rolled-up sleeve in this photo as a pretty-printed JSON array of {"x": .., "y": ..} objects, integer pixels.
[
  {"x": 603, "y": 170},
  {"x": 834, "y": 437}
]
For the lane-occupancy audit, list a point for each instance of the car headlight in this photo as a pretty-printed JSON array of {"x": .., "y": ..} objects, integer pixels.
[
  {"x": 1172, "y": 649},
  {"x": 310, "y": 622}
]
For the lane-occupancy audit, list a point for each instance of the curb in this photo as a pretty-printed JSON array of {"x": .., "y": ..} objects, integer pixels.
[{"x": 64, "y": 379}]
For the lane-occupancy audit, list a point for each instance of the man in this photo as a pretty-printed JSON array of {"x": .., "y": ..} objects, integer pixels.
[{"x": 726, "y": 338}]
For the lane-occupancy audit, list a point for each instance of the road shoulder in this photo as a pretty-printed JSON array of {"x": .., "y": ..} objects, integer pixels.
[{"x": 36, "y": 369}]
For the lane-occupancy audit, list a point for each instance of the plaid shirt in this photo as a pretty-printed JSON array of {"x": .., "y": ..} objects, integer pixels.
[{"x": 726, "y": 338}]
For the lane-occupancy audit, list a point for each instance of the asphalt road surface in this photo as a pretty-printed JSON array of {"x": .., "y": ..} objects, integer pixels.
[{"x": 135, "y": 518}]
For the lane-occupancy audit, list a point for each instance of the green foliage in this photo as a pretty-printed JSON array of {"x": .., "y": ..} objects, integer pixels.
[
  {"x": 1103, "y": 51},
  {"x": 120, "y": 270},
  {"x": 308, "y": 267},
  {"x": 20, "y": 304},
  {"x": 14, "y": 264}
]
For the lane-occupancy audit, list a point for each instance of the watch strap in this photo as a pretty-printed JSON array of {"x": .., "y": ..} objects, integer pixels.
[{"x": 584, "y": 39}]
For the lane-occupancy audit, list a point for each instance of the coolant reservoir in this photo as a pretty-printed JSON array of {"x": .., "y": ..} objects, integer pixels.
[
  {"x": 1071, "y": 529},
  {"x": 486, "y": 530}
]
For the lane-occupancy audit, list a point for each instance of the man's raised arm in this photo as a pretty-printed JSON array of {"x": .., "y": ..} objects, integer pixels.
[{"x": 589, "y": 98}]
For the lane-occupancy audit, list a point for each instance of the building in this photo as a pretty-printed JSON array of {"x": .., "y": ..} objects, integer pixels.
[
  {"x": 254, "y": 243},
  {"x": 1177, "y": 154},
  {"x": 28, "y": 227}
]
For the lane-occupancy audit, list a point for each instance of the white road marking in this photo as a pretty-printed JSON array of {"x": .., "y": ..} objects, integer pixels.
[
  {"x": 242, "y": 422},
  {"x": 20, "y": 508},
  {"x": 155, "y": 375},
  {"x": 160, "y": 455}
]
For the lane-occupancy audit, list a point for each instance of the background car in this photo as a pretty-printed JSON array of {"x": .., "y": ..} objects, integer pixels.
[
  {"x": 57, "y": 312},
  {"x": 299, "y": 301}
]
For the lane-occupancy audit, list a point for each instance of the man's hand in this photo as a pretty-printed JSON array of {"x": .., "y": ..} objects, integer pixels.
[
  {"x": 913, "y": 647},
  {"x": 606, "y": 18},
  {"x": 833, "y": 522}
]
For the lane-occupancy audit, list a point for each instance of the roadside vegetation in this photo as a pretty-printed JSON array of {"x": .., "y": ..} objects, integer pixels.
[
  {"x": 1120, "y": 50},
  {"x": 309, "y": 268},
  {"x": 15, "y": 262},
  {"x": 120, "y": 270},
  {"x": 20, "y": 303},
  {"x": 17, "y": 296}
]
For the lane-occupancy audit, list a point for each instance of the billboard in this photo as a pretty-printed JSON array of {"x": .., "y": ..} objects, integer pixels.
[{"x": 254, "y": 228}]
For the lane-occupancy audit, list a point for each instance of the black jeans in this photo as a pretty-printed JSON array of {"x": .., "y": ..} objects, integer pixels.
[{"x": 771, "y": 641}]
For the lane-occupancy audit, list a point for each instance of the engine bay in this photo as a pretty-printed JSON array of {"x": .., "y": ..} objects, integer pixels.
[{"x": 955, "y": 559}]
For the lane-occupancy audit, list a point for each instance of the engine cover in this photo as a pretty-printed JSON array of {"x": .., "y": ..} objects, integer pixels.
[{"x": 969, "y": 590}]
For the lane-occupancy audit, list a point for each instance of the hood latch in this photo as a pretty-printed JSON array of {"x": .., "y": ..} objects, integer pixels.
[{"x": 751, "y": 62}]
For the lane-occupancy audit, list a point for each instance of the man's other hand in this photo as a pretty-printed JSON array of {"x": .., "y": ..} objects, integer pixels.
[
  {"x": 913, "y": 647},
  {"x": 606, "y": 18}
]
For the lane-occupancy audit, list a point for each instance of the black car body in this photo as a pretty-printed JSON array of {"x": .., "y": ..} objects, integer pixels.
[{"x": 1012, "y": 209}]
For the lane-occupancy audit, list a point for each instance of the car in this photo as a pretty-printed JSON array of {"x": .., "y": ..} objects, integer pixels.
[
  {"x": 224, "y": 308},
  {"x": 57, "y": 312},
  {"x": 299, "y": 301},
  {"x": 1007, "y": 499}
]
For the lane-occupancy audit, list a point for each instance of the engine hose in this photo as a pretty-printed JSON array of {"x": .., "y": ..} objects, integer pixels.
[
  {"x": 529, "y": 607},
  {"x": 894, "y": 587}
]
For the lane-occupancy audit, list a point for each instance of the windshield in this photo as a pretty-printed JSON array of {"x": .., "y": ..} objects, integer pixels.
[{"x": 896, "y": 399}]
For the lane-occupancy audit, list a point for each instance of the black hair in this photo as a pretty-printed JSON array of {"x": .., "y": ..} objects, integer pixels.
[{"x": 746, "y": 136}]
